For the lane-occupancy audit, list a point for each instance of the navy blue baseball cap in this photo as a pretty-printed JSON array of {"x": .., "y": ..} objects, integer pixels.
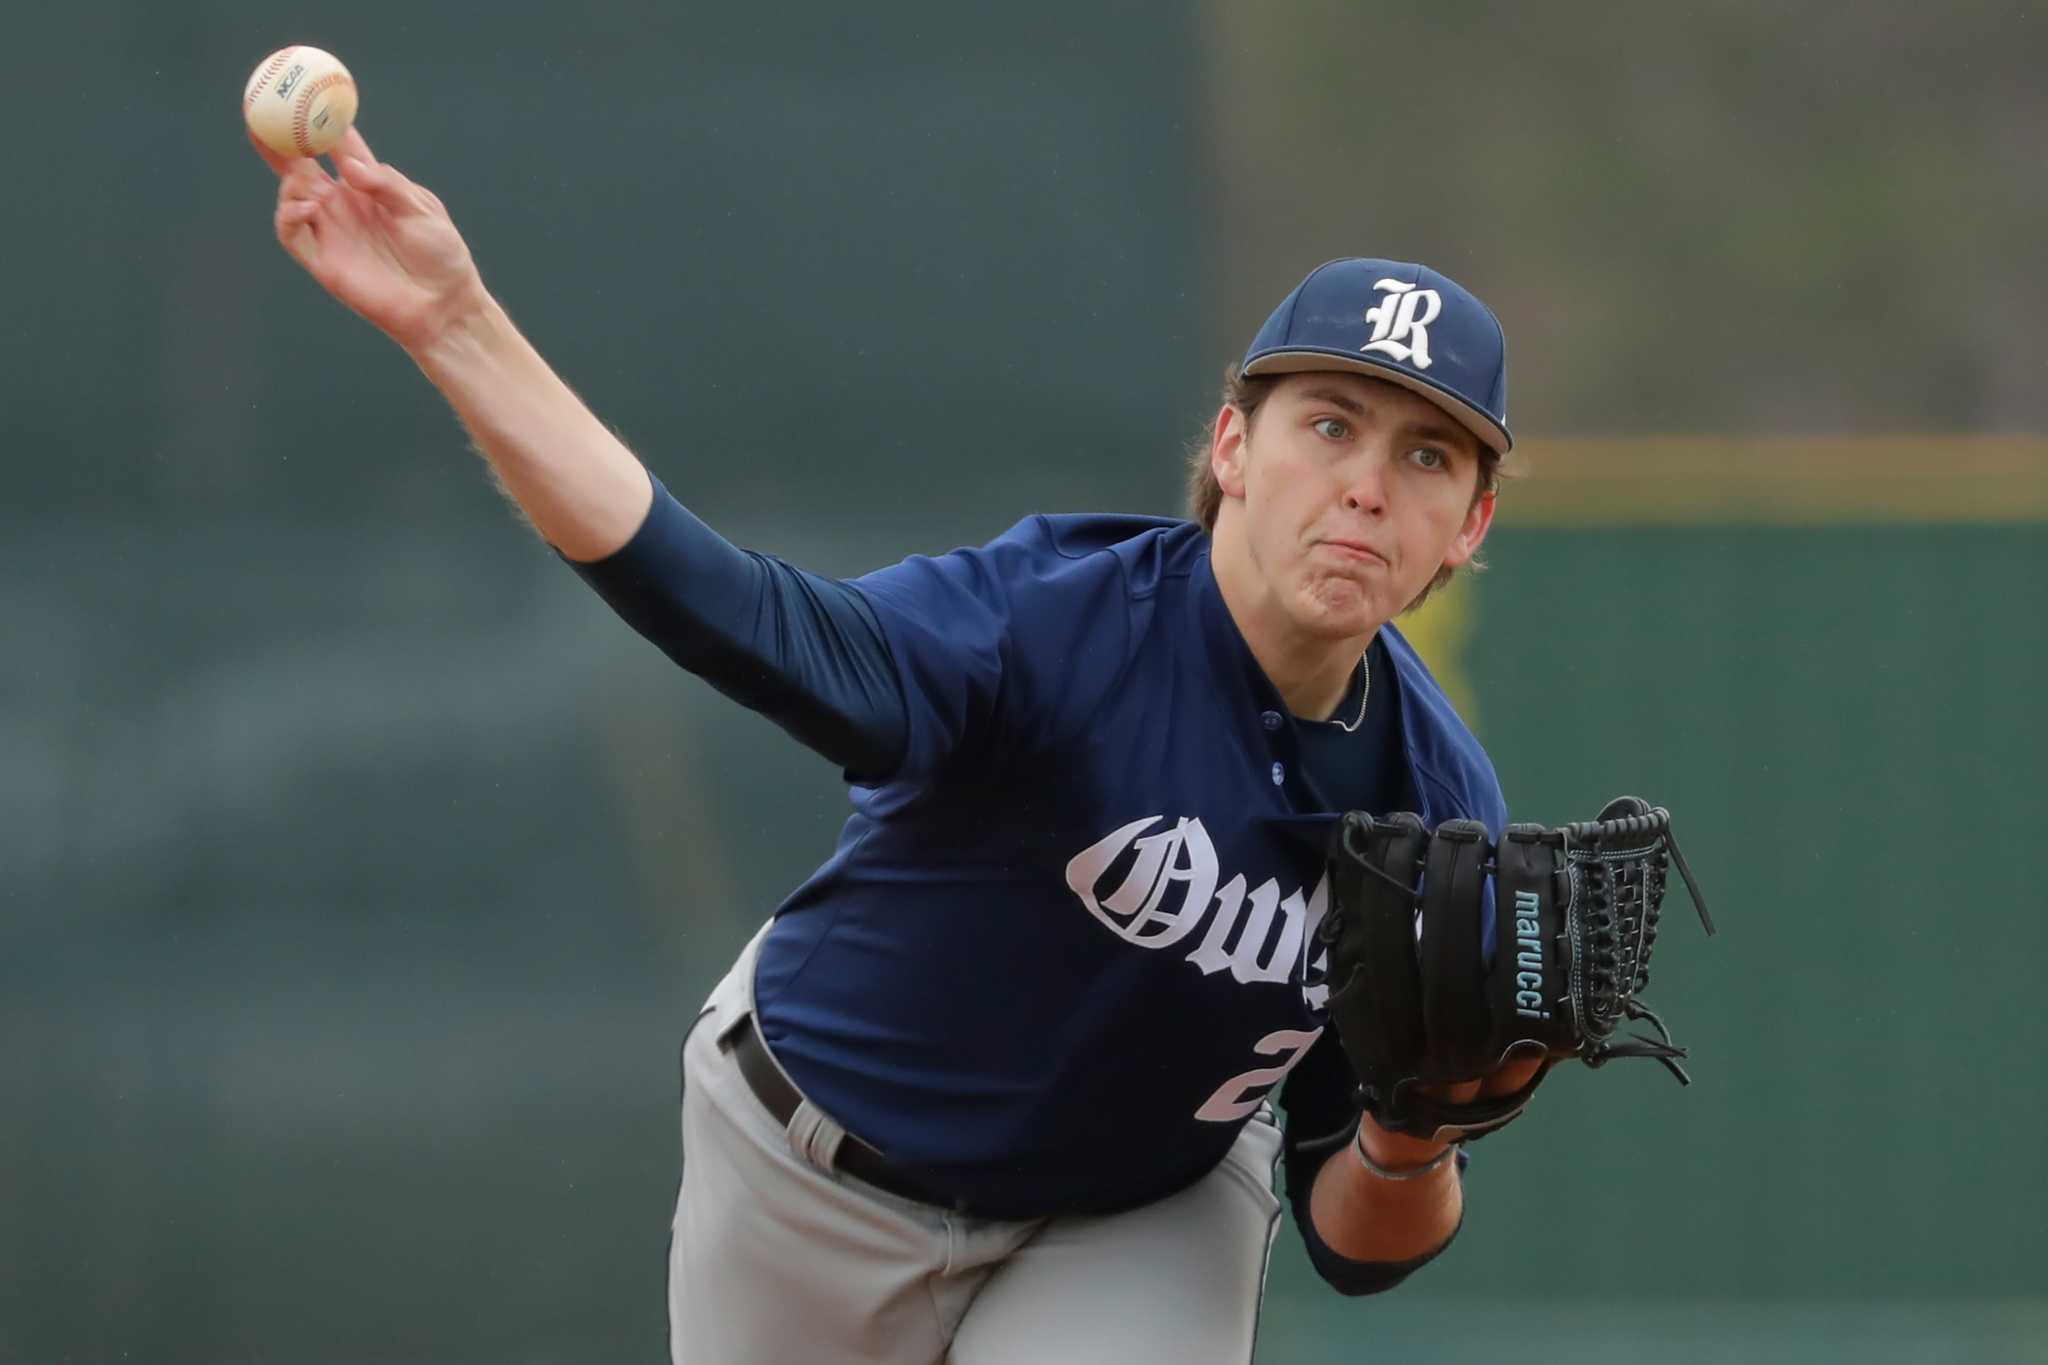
[{"x": 1399, "y": 322}]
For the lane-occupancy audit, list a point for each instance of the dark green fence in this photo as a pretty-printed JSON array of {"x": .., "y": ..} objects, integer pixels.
[{"x": 1845, "y": 722}]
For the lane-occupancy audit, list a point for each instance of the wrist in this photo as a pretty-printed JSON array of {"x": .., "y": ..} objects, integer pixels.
[
  {"x": 1396, "y": 1156},
  {"x": 470, "y": 324}
]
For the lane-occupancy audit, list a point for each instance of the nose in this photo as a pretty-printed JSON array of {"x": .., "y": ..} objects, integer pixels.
[{"x": 1365, "y": 487}]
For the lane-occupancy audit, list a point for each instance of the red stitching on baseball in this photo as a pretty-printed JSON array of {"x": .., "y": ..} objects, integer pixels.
[
  {"x": 302, "y": 109},
  {"x": 277, "y": 64}
]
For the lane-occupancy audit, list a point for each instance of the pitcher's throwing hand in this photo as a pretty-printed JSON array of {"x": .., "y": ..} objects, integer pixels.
[{"x": 380, "y": 243}]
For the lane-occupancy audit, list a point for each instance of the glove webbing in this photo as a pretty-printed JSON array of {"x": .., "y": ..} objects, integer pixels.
[{"x": 1628, "y": 899}]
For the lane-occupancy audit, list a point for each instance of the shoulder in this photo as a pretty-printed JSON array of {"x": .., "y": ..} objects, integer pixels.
[
  {"x": 1007, "y": 648},
  {"x": 1446, "y": 756},
  {"x": 1056, "y": 554},
  {"x": 1144, "y": 548}
]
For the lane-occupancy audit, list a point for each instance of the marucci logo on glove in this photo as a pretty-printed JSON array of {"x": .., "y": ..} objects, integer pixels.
[{"x": 1529, "y": 992}]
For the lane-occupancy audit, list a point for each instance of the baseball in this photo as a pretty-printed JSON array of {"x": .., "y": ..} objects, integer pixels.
[{"x": 299, "y": 101}]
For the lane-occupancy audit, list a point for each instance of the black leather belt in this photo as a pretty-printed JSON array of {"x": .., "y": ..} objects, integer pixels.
[{"x": 764, "y": 1077}]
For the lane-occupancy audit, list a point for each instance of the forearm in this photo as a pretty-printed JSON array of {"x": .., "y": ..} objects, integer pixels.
[
  {"x": 582, "y": 489},
  {"x": 1367, "y": 1217}
]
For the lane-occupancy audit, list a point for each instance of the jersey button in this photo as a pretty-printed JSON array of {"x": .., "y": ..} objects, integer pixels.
[
  {"x": 1270, "y": 719},
  {"x": 1279, "y": 774}
]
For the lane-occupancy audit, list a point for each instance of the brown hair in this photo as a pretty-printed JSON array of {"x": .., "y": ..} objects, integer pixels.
[{"x": 1245, "y": 393}]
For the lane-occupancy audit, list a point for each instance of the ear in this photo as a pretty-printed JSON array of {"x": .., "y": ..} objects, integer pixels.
[
  {"x": 1227, "y": 451},
  {"x": 1477, "y": 521}
]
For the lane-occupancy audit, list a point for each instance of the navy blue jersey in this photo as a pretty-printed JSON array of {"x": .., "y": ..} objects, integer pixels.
[
  {"x": 1062, "y": 953},
  {"x": 1064, "y": 947}
]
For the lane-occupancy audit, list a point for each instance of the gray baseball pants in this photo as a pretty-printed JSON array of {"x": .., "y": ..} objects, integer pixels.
[{"x": 777, "y": 1259}]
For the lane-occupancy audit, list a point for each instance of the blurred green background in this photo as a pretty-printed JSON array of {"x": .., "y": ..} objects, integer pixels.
[{"x": 361, "y": 873}]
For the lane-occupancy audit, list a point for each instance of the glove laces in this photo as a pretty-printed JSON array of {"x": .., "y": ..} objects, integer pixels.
[{"x": 1619, "y": 870}]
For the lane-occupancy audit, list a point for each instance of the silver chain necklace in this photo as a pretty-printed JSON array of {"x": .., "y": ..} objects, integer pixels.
[{"x": 1364, "y": 691}]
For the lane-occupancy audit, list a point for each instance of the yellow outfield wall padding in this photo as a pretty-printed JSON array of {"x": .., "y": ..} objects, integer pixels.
[
  {"x": 1440, "y": 629},
  {"x": 1663, "y": 480}
]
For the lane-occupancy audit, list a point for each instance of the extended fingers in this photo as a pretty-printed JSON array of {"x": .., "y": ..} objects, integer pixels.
[
  {"x": 383, "y": 184},
  {"x": 352, "y": 144}
]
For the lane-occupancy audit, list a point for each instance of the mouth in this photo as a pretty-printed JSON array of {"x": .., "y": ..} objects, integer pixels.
[{"x": 1355, "y": 551}]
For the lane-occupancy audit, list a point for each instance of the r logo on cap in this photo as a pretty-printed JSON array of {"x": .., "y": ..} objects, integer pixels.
[
  {"x": 1395, "y": 321},
  {"x": 1399, "y": 322}
]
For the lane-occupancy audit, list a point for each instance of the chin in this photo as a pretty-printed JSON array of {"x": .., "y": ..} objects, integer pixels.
[{"x": 1338, "y": 610}]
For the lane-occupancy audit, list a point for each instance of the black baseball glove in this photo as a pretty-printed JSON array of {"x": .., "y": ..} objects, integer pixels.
[{"x": 1419, "y": 1003}]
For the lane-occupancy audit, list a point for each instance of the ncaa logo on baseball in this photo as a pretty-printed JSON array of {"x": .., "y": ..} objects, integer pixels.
[{"x": 1400, "y": 324}]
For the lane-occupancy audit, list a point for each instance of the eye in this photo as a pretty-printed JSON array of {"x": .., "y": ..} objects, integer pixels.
[
  {"x": 1429, "y": 457},
  {"x": 1334, "y": 428}
]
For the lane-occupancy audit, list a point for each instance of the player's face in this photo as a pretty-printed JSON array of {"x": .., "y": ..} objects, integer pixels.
[{"x": 1350, "y": 493}]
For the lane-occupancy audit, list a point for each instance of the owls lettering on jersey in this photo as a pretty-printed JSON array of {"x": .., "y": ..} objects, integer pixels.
[{"x": 1166, "y": 887}]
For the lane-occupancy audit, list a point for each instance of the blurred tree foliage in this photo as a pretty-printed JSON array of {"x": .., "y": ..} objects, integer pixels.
[{"x": 1736, "y": 216}]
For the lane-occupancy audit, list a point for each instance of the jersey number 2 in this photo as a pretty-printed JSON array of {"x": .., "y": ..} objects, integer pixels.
[{"x": 1243, "y": 1093}]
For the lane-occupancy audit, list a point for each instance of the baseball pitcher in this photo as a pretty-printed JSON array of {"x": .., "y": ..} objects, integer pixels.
[{"x": 1168, "y": 865}]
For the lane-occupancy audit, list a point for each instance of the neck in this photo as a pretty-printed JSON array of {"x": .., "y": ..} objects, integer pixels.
[{"x": 1310, "y": 672}]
